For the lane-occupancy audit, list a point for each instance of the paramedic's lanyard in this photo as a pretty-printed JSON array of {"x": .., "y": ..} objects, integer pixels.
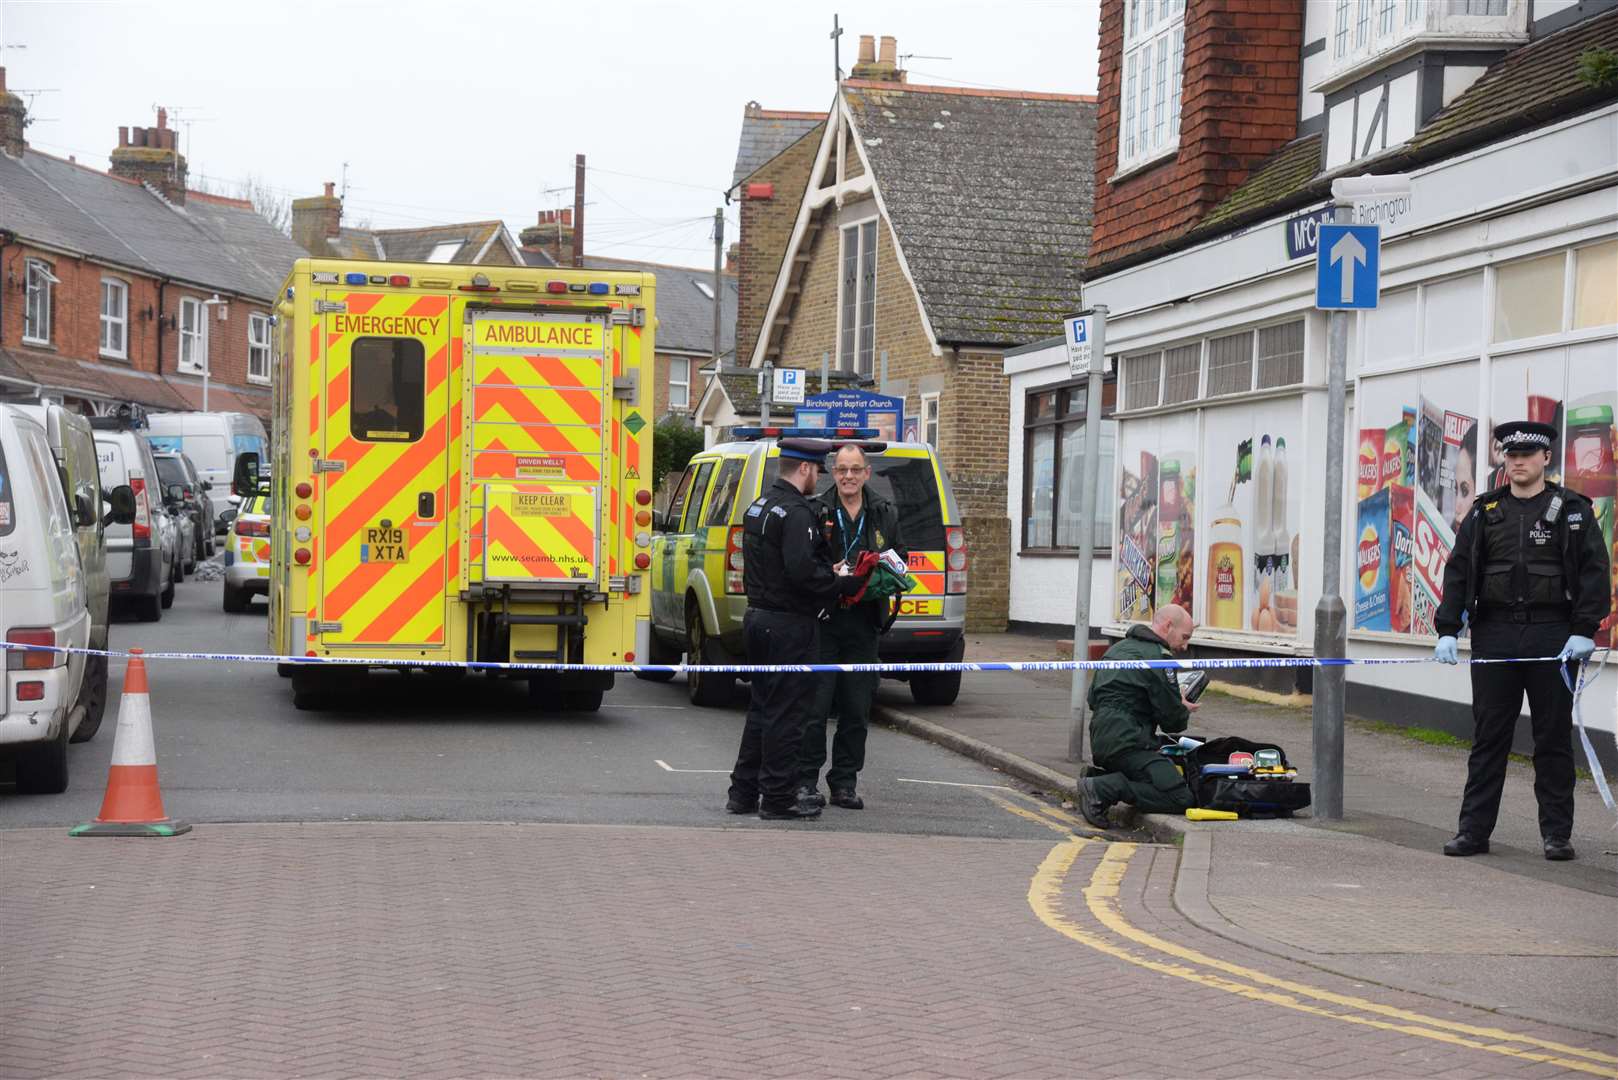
[{"x": 842, "y": 527}]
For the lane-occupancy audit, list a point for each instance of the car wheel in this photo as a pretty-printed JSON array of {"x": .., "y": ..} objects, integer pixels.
[
  {"x": 166, "y": 597},
  {"x": 709, "y": 689},
  {"x": 149, "y": 608},
  {"x": 545, "y": 693},
  {"x": 659, "y": 654},
  {"x": 236, "y": 599},
  {"x": 42, "y": 770},
  {"x": 940, "y": 688},
  {"x": 93, "y": 697}
]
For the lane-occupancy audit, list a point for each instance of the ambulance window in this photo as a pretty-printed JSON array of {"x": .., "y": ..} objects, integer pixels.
[
  {"x": 699, "y": 487},
  {"x": 387, "y": 389},
  {"x": 724, "y": 492},
  {"x": 8, "y": 502}
]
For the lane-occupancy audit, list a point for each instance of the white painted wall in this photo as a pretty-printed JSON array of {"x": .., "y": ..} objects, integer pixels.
[{"x": 1044, "y": 588}]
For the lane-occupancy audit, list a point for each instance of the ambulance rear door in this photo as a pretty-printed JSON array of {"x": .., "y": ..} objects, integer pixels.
[{"x": 385, "y": 551}]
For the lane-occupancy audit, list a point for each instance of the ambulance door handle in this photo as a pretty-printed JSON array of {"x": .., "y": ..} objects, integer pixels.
[{"x": 424, "y": 506}]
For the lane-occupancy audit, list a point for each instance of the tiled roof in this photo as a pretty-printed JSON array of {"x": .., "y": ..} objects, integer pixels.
[
  {"x": 115, "y": 382},
  {"x": 989, "y": 194},
  {"x": 210, "y": 241},
  {"x": 767, "y": 132},
  {"x": 414, "y": 245},
  {"x": 740, "y": 385},
  {"x": 684, "y": 305},
  {"x": 1528, "y": 87}
]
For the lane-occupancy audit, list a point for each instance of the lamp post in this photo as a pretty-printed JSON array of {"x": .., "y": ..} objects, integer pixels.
[{"x": 207, "y": 363}]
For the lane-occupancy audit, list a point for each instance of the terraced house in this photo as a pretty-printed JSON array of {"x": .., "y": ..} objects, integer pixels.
[
  {"x": 938, "y": 228},
  {"x": 126, "y": 286}
]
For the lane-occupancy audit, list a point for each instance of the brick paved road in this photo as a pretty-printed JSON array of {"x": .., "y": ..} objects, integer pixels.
[{"x": 568, "y": 950}]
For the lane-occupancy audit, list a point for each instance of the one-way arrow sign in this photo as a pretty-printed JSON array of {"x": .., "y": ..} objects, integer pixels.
[{"x": 1347, "y": 265}]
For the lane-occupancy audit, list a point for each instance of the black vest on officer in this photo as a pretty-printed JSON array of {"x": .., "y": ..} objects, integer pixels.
[
  {"x": 786, "y": 566},
  {"x": 1522, "y": 570}
]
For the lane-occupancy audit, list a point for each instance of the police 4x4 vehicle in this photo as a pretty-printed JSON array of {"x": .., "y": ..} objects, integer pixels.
[{"x": 696, "y": 574}]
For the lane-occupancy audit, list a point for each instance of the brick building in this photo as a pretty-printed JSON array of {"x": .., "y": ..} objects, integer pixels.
[
  {"x": 1222, "y": 127},
  {"x": 919, "y": 276},
  {"x": 125, "y": 285}
]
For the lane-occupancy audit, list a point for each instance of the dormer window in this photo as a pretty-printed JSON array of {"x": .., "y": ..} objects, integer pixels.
[{"x": 1154, "y": 55}]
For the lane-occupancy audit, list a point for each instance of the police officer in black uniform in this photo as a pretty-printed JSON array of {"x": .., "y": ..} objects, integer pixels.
[
  {"x": 1529, "y": 573},
  {"x": 787, "y": 571}
]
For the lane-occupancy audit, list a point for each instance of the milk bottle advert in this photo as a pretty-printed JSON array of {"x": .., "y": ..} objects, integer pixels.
[{"x": 1251, "y": 572}]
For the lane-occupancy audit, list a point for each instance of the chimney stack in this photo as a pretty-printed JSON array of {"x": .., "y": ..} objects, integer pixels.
[
  {"x": 316, "y": 220},
  {"x": 552, "y": 234},
  {"x": 151, "y": 156},
  {"x": 878, "y": 66},
  {"x": 13, "y": 120}
]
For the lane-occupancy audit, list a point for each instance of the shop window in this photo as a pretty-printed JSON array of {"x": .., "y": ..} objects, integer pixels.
[
  {"x": 114, "y": 318},
  {"x": 1452, "y": 316},
  {"x": 1230, "y": 364},
  {"x": 1595, "y": 285},
  {"x": 1182, "y": 373},
  {"x": 1053, "y": 441},
  {"x": 856, "y": 337},
  {"x": 1143, "y": 378},
  {"x": 387, "y": 389},
  {"x": 1154, "y": 56},
  {"x": 258, "y": 348},
  {"x": 1280, "y": 355},
  {"x": 1528, "y": 297},
  {"x": 1390, "y": 329}
]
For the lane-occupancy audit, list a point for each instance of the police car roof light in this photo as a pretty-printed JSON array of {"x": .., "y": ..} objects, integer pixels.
[{"x": 803, "y": 433}]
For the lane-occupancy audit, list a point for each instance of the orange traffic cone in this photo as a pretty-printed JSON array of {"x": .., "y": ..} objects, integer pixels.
[{"x": 134, "y": 805}]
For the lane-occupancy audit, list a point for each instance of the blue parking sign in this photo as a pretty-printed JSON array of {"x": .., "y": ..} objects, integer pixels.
[{"x": 1347, "y": 264}]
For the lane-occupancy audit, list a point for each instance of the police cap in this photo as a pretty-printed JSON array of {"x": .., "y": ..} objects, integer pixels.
[
  {"x": 1524, "y": 436},
  {"x": 814, "y": 450}
]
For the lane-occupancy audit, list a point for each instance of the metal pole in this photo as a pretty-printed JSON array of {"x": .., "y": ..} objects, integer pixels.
[
  {"x": 1331, "y": 616},
  {"x": 718, "y": 269},
  {"x": 1088, "y": 492},
  {"x": 578, "y": 210},
  {"x": 825, "y": 372}
]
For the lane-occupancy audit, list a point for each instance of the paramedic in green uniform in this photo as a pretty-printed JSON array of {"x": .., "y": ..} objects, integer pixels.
[{"x": 1127, "y": 708}]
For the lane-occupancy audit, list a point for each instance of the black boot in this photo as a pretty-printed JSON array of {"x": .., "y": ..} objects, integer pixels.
[
  {"x": 1091, "y": 805},
  {"x": 809, "y": 795},
  {"x": 1557, "y": 849},
  {"x": 846, "y": 798},
  {"x": 1467, "y": 844},
  {"x": 795, "y": 812}
]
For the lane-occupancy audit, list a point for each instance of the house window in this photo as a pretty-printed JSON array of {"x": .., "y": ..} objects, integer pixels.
[
  {"x": 258, "y": 348},
  {"x": 1362, "y": 22},
  {"x": 36, "y": 314},
  {"x": 114, "y": 318},
  {"x": 929, "y": 419},
  {"x": 1154, "y": 56},
  {"x": 1053, "y": 452},
  {"x": 679, "y": 382},
  {"x": 193, "y": 336},
  {"x": 1340, "y": 29},
  {"x": 856, "y": 337},
  {"x": 445, "y": 251},
  {"x": 1385, "y": 17}
]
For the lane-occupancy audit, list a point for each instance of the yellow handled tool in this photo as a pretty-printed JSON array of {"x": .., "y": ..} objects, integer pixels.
[{"x": 1197, "y": 813}]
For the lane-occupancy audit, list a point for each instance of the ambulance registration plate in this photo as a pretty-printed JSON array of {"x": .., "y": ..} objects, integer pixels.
[{"x": 384, "y": 543}]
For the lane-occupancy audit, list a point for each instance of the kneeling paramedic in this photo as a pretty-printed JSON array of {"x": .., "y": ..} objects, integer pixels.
[
  {"x": 788, "y": 575},
  {"x": 1529, "y": 575},
  {"x": 1127, "y": 707}
]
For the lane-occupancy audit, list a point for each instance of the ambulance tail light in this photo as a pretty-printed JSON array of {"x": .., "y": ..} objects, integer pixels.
[
  {"x": 141, "y": 529},
  {"x": 955, "y": 560},
  {"x": 252, "y": 528},
  {"x": 733, "y": 560},
  {"x": 643, "y": 561},
  {"x": 32, "y": 659}
]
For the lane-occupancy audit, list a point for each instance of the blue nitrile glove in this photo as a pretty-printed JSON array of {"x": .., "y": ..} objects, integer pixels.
[
  {"x": 1577, "y": 648},
  {"x": 1446, "y": 651}
]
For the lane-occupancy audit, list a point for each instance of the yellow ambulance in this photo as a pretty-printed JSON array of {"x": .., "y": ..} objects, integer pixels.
[{"x": 461, "y": 471}]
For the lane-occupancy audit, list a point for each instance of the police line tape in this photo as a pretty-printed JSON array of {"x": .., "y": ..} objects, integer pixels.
[
  {"x": 882, "y": 667},
  {"x": 1575, "y": 686}
]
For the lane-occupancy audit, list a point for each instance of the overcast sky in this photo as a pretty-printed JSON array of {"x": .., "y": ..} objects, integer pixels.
[{"x": 457, "y": 111}]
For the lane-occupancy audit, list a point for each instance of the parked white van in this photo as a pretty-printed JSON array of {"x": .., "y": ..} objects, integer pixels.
[
  {"x": 45, "y": 600},
  {"x": 212, "y": 440}
]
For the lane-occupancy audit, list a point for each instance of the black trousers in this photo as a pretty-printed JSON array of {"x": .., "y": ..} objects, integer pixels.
[
  {"x": 1497, "y": 695},
  {"x": 848, "y": 637},
  {"x": 767, "y": 763}
]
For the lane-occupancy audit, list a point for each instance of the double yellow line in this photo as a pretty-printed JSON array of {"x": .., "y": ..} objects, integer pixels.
[{"x": 1102, "y": 899}]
